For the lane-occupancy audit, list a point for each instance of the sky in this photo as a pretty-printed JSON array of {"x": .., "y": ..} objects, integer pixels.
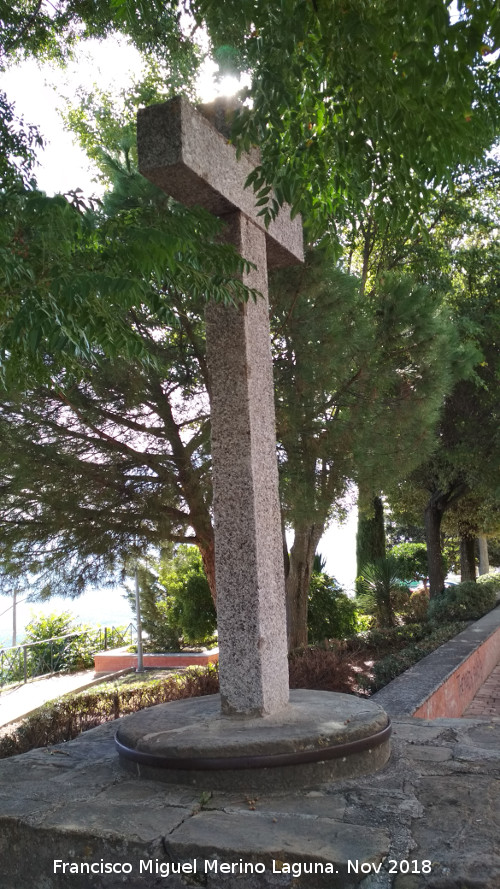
[{"x": 37, "y": 91}]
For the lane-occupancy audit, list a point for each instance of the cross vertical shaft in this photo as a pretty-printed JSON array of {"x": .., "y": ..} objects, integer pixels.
[
  {"x": 182, "y": 153},
  {"x": 249, "y": 555}
]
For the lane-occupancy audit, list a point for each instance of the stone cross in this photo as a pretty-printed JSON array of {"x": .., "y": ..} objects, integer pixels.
[{"x": 182, "y": 153}]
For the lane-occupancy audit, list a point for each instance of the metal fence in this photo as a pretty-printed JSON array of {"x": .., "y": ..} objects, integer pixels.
[{"x": 73, "y": 651}]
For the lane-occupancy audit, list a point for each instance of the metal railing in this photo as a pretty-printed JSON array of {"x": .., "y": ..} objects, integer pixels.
[{"x": 73, "y": 651}]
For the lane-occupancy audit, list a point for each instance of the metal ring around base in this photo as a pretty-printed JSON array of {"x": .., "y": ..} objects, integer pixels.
[{"x": 219, "y": 763}]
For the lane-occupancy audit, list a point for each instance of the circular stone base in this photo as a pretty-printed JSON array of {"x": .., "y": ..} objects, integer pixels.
[{"x": 319, "y": 736}]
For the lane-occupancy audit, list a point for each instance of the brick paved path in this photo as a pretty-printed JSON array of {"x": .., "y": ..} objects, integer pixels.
[{"x": 487, "y": 700}]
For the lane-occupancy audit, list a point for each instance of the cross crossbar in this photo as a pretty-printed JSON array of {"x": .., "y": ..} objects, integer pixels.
[{"x": 182, "y": 153}]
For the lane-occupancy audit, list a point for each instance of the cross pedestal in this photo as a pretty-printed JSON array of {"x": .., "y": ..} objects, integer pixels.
[{"x": 181, "y": 152}]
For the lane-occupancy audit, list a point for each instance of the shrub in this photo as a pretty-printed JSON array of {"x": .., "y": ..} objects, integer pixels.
[
  {"x": 465, "y": 601},
  {"x": 176, "y": 603},
  {"x": 383, "y": 593},
  {"x": 331, "y": 614},
  {"x": 417, "y": 607},
  {"x": 387, "y": 668},
  {"x": 389, "y": 639},
  {"x": 320, "y": 668},
  {"x": 74, "y": 714},
  {"x": 492, "y": 580},
  {"x": 65, "y": 654}
]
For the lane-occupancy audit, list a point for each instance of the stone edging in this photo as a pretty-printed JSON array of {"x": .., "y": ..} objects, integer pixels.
[
  {"x": 444, "y": 682},
  {"x": 120, "y": 659}
]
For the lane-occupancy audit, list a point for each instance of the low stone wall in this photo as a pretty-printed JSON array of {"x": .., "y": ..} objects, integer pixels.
[
  {"x": 109, "y": 661},
  {"x": 444, "y": 683}
]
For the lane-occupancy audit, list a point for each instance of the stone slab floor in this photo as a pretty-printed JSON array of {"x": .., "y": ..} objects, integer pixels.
[{"x": 430, "y": 819}]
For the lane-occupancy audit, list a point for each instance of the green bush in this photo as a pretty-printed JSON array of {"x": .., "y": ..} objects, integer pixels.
[
  {"x": 176, "y": 603},
  {"x": 331, "y": 614},
  {"x": 465, "y": 601},
  {"x": 492, "y": 580},
  {"x": 387, "y": 668},
  {"x": 417, "y": 608},
  {"x": 68, "y": 654},
  {"x": 64, "y": 654},
  {"x": 390, "y": 639},
  {"x": 194, "y": 610}
]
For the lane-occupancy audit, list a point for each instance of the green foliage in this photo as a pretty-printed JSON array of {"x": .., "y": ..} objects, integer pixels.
[
  {"x": 350, "y": 117},
  {"x": 157, "y": 618},
  {"x": 330, "y": 613},
  {"x": 73, "y": 652},
  {"x": 184, "y": 581},
  {"x": 18, "y": 142},
  {"x": 465, "y": 601},
  {"x": 176, "y": 603},
  {"x": 383, "y": 593},
  {"x": 493, "y": 581},
  {"x": 51, "y": 31},
  {"x": 318, "y": 563},
  {"x": 73, "y": 279},
  {"x": 416, "y": 611},
  {"x": 459, "y": 484},
  {"x": 411, "y": 560},
  {"x": 48, "y": 626},
  {"x": 370, "y": 535},
  {"x": 386, "y": 669}
]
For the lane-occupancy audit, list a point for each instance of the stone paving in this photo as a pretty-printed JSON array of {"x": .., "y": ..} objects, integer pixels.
[
  {"x": 429, "y": 819},
  {"x": 487, "y": 701}
]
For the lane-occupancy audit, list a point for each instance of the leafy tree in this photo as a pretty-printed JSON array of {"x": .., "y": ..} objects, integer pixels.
[
  {"x": 18, "y": 142},
  {"x": 183, "y": 578},
  {"x": 107, "y": 446},
  {"x": 376, "y": 102},
  {"x": 359, "y": 385},
  {"x": 116, "y": 461},
  {"x": 339, "y": 126},
  {"x": 175, "y": 600},
  {"x": 459, "y": 260},
  {"x": 467, "y": 458},
  {"x": 51, "y": 30},
  {"x": 71, "y": 279},
  {"x": 157, "y": 617}
]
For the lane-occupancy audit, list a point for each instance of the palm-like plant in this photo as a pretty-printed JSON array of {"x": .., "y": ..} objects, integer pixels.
[{"x": 383, "y": 592}]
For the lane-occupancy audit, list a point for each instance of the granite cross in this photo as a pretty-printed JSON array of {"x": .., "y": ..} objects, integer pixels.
[{"x": 182, "y": 153}]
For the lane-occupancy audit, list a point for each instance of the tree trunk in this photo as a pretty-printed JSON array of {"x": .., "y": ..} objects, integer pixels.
[
  {"x": 467, "y": 559},
  {"x": 301, "y": 558},
  {"x": 370, "y": 537},
  {"x": 484, "y": 562},
  {"x": 433, "y": 519},
  {"x": 207, "y": 551},
  {"x": 14, "y": 616}
]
